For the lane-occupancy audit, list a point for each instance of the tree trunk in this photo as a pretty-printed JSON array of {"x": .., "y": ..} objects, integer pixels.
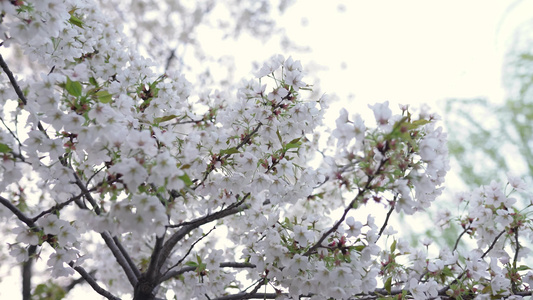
[
  {"x": 27, "y": 273},
  {"x": 144, "y": 290}
]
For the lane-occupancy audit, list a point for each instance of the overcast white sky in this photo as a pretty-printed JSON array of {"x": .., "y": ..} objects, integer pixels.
[
  {"x": 403, "y": 51},
  {"x": 407, "y": 52}
]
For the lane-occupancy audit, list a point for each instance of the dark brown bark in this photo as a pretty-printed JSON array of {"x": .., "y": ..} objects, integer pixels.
[
  {"x": 144, "y": 289},
  {"x": 27, "y": 273}
]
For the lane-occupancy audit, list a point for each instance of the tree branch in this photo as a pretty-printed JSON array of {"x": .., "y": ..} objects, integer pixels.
[
  {"x": 386, "y": 220},
  {"x": 75, "y": 282},
  {"x": 152, "y": 267},
  {"x": 250, "y": 296},
  {"x": 92, "y": 282},
  {"x": 459, "y": 238},
  {"x": 515, "y": 259},
  {"x": 442, "y": 291},
  {"x": 13, "y": 81},
  {"x": 188, "y": 252},
  {"x": 133, "y": 279},
  {"x": 360, "y": 193},
  {"x": 245, "y": 140},
  {"x": 18, "y": 91},
  {"x": 127, "y": 257},
  {"x": 20, "y": 215},
  {"x": 60, "y": 206},
  {"x": 113, "y": 244},
  {"x": 27, "y": 273},
  {"x": 177, "y": 236}
]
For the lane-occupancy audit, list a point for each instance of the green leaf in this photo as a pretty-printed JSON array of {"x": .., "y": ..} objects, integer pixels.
[
  {"x": 186, "y": 179},
  {"x": 232, "y": 150},
  {"x": 393, "y": 247},
  {"x": 164, "y": 119},
  {"x": 73, "y": 87},
  {"x": 420, "y": 122},
  {"x": 93, "y": 81},
  {"x": 447, "y": 272},
  {"x": 523, "y": 268},
  {"x": 104, "y": 96},
  {"x": 4, "y": 148},
  {"x": 192, "y": 264},
  {"x": 75, "y": 21},
  {"x": 293, "y": 144},
  {"x": 279, "y": 136},
  {"x": 388, "y": 284},
  {"x": 359, "y": 248},
  {"x": 48, "y": 291}
]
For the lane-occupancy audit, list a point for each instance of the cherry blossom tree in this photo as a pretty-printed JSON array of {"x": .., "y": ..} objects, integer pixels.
[{"x": 115, "y": 174}]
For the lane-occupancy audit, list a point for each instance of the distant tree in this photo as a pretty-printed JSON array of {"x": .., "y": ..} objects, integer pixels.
[{"x": 488, "y": 139}]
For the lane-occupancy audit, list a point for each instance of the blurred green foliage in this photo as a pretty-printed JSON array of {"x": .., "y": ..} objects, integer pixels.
[{"x": 487, "y": 140}]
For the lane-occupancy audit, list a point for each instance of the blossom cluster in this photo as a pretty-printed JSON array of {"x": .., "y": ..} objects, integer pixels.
[{"x": 158, "y": 190}]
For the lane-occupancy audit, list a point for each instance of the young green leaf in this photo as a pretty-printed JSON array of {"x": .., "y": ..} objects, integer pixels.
[
  {"x": 75, "y": 21},
  {"x": 231, "y": 150},
  {"x": 388, "y": 284},
  {"x": 73, "y": 87},
  {"x": 165, "y": 118},
  {"x": 4, "y": 148},
  {"x": 104, "y": 96},
  {"x": 186, "y": 179}
]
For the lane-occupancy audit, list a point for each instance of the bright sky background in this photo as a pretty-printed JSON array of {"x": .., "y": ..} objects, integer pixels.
[{"x": 408, "y": 52}]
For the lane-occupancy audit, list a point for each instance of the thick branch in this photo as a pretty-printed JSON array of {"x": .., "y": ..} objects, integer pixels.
[
  {"x": 92, "y": 282},
  {"x": 133, "y": 279},
  {"x": 27, "y": 273},
  {"x": 113, "y": 244},
  {"x": 183, "y": 231},
  {"x": 184, "y": 270},
  {"x": 249, "y": 296},
  {"x": 13, "y": 81},
  {"x": 75, "y": 282},
  {"x": 20, "y": 215},
  {"x": 127, "y": 257},
  {"x": 152, "y": 270}
]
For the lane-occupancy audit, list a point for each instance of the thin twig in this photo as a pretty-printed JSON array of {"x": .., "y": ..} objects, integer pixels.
[
  {"x": 459, "y": 238},
  {"x": 18, "y": 91},
  {"x": 244, "y": 141},
  {"x": 386, "y": 220},
  {"x": 60, "y": 206},
  {"x": 515, "y": 259},
  {"x": 444, "y": 289},
  {"x": 360, "y": 193},
  {"x": 187, "y": 253}
]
